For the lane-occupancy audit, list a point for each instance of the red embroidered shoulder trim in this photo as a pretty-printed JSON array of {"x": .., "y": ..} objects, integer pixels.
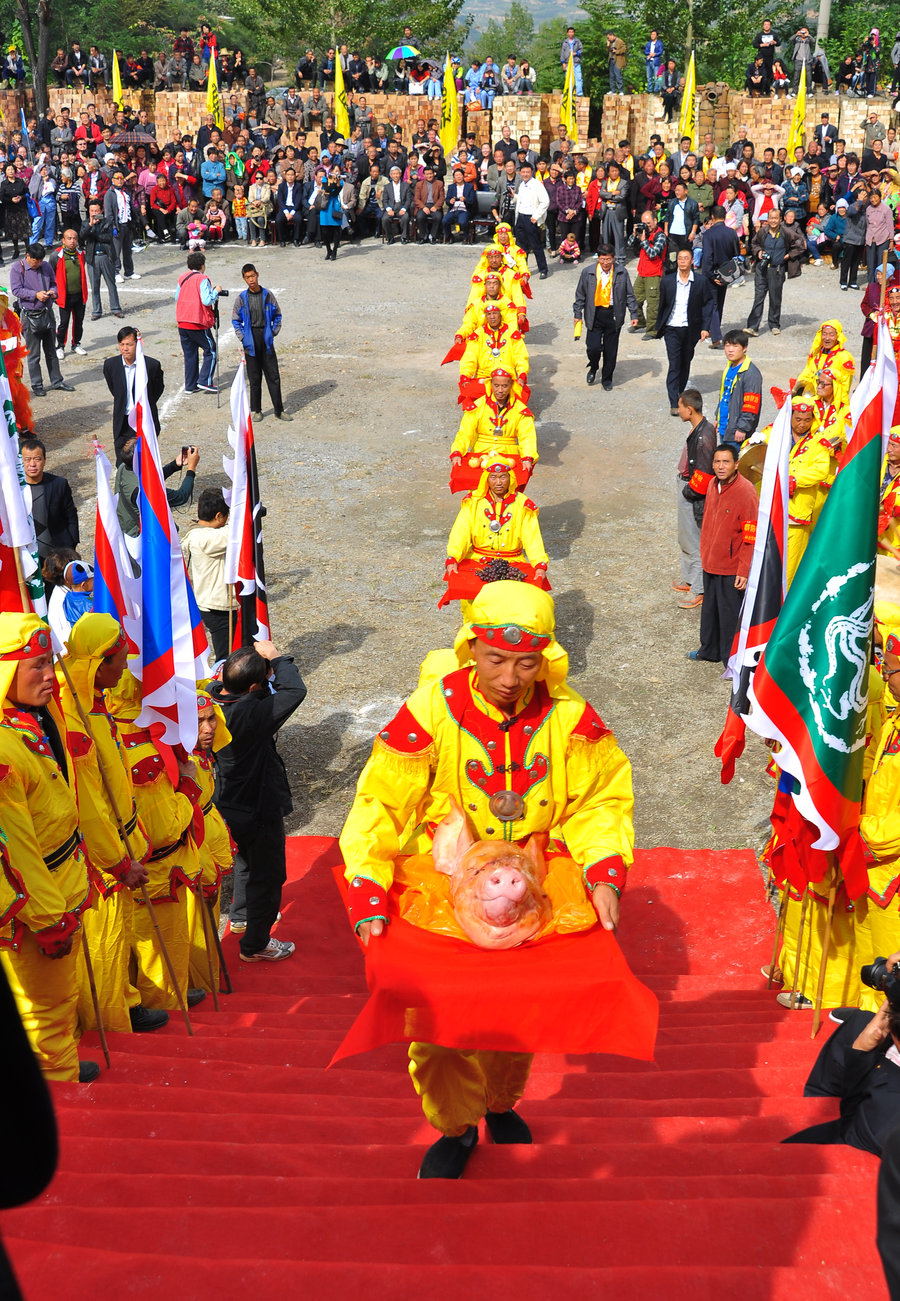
[
  {"x": 591, "y": 726},
  {"x": 405, "y": 734}
]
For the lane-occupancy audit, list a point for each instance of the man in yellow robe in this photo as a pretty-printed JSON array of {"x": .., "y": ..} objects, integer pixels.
[
  {"x": 491, "y": 345},
  {"x": 217, "y": 849},
  {"x": 828, "y": 351},
  {"x": 520, "y": 751},
  {"x": 811, "y": 471},
  {"x": 46, "y": 888},
  {"x": 97, "y": 654},
  {"x": 498, "y": 424}
]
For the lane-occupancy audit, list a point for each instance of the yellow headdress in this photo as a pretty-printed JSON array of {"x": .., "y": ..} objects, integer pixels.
[
  {"x": 91, "y": 639},
  {"x": 22, "y": 637},
  {"x": 515, "y": 617}
]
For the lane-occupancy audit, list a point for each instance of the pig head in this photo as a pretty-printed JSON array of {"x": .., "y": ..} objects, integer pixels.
[{"x": 496, "y": 889}]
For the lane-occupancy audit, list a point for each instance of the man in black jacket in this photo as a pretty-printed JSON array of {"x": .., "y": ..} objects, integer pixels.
[
  {"x": 51, "y": 505},
  {"x": 686, "y": 306},
  {"x": 769, "y": 247},
  {"x": 720, "y": 245},
  {"x": 602, "y": 296},
  {"x": 119, "y": 373},
  {"x": 96, "y": 238},
  {"x": 259, "y": 690}
]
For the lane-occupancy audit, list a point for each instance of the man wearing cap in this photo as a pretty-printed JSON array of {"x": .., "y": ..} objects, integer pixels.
[
  {"x": 492, "y": 346},
  {"x": 497, "y": 522},
  {"x": 562, "y": 769},
  {"x": 96, "y": 657},
  {"x": 828, "y": 351},
  {"x": 602, "y": 297},
  {"x": 499, "y": 423},
  {"x": 488, "y": 290},
  {"x": 41, "y": 908}
]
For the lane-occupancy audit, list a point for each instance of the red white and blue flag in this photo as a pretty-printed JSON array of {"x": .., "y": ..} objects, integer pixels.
[
  {"x": 810, "y": 689},
  {"x": 172, "y": 646},
  {"x": 116, "y": 590},
  {"x": 764, "y": 595},
  {"x": 244, "y": 563}
]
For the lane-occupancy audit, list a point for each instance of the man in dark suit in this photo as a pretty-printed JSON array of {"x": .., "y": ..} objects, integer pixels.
[
  {"x": 826, "y": 136},
  {"x": 686, "y": 305},
  {"x": 888, "y": 1237},
  {"x": 119, "y": 373},
  {"x": 858, "y": 1065},
  {"x": 51, "y": 505},
  {"x": 289, "y": 209},
  {"x": 460, "y": 205},
  {"x": 603, "y": 312},
  {"x": 396, "y": 206}
]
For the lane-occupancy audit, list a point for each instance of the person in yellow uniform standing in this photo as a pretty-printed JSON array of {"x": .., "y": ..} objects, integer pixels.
[
  {"x": 217, "y": 850},
  {"x": 832, "y": 418},
  {"x": 493, "y": 262},
  {"x": 520, "y": 751},
  {"x": 889, "y": 514},
  {"x": 41, "y": 908},
  {"x": 481, "y": 297},
  {"x": 828, "y": 351},
  {"x": 498, "y": 424},
  {"x": 493, "y": 344},
  {"x": 97, "y": 653},
  {"x": 167, "y": 796},
  {"x": 811, "y": 468}
]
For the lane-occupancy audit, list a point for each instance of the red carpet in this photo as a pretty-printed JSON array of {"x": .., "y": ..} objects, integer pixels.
[{"x": 218, "y": 1166}]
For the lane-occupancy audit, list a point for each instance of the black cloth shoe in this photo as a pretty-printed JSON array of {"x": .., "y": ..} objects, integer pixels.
[
  {"x": 447, "y": 1158},
  {"x": 195, "y": 996},
  {"x": 543, "y": 275},
  {"x": 591, "y": 376},
  {"x": 87, "y": 1072},
  {"x": 146, "y": 1018},
  {"x": 606, "y": 384},
  {"x": 38, "y": 393},
  {"x": 507, "y": 1127},
  {"x": 63, "y": 387}
]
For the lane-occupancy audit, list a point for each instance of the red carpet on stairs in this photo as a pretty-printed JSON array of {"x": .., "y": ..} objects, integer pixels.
[{"x": 219, "y": 1166}]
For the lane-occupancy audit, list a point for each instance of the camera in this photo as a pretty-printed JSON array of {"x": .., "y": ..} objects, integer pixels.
[
  {"x": 877, "y": 976},
  {"x": 224, "y": 293},
  {"x": 763, "y": 260},
  {"x": 640, "y": 229}
]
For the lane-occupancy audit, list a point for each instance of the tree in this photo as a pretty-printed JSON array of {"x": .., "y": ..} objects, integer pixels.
[
  {"x": 514, "y": 35},
  {"x": 369, "y": 26},
  {"x": 545, "y": 50},
  {"x": 38, "y": 56}
]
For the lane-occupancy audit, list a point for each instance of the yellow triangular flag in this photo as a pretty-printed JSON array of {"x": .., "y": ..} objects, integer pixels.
[
  {"x": 213, "y": 98},
  {"x": 567, "y": 112},
  {"x": 798, "y": 121},
  {"x": 687, "y": 121},
  {"x": 449, "y": 132},
  {"x": 116, "y": 81},
  {"x": 341, "y": 108}
]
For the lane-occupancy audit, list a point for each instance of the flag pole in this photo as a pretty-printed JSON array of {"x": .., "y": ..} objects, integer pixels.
[
  {"x": 884, "y": 262},
  {"x": 799, "y": 953},
  {"x": 104, "y": 777},
  {"x": 89, "y": 968},
  {"x": 213, "y": 982},
  {"x": 223, "y": 970},
  {"x": 779, "y": 931},
  {"x": 826, "y": 944},
  {"x": 230, "y": 617}
]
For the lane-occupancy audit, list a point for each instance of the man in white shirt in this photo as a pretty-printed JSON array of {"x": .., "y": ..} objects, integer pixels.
[
  {"x": 686, "y": 303},
  {"x": 531, "y": 205},
  {"x": 117, "y": 208}
]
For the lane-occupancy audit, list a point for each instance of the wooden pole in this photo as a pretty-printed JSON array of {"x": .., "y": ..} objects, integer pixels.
[
  {"x": 799, "y": 953},
  {"x": 230, "y": 617},
  {"x": 884, "y": 263},
  {"x": 826, "y": 943},
  {"x": 204, "y": 919},
  {"x": 779, "y": 931},
  {"x": 223, "y": 969},
  {"x": 151, "y": 911},
  {"x": 89, "y": 967}
]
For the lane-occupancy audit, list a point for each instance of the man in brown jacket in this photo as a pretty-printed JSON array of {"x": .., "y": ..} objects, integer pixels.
[
  {"x": 726, "y": 549},
  {"x": 428, "y": 206}
]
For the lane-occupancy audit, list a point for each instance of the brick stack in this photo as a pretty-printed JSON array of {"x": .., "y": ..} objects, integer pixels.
[
  {"x": 551, "y": 116},
  {"x": 522, "y": 113}
]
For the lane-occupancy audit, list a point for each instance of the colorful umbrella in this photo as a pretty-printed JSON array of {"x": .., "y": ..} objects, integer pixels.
[{"x": 403, "y": 52}]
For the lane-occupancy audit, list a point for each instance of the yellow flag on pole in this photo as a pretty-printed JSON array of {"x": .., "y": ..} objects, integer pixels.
[
  {"x": 341, "y": 108},
  {"x": 798, "y": 121},
  {"x": 687, "y": 122},
  {"x": 567, "y": 112},
  {"x": 213, "y": 98},
  {"x": 116, "y": 81},
  {"x": 449, "y": 132}
]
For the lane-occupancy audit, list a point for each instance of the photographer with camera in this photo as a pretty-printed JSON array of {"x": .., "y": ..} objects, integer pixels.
[
  {"x": 860, "y": 1064},
  {"x": 769, "y": 248},
  {"x": 196, "y": 298},
  {"x": 721, "y": 262},
  {"x": 650, "y": 246}
]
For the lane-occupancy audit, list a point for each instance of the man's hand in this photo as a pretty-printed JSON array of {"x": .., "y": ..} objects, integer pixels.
[
  {"x": 136, "y": 875},
  {"x": 369, "y": 930},
  {"x": 451, "y": 567},
  {"x": 704, "y": 334},
  {"x": 192, "y": 460},
  {"x": 267, "y": 649},
  {"x": 606, "y": 906},
  {"x": 740, "y": 583},
  {"x": 875, "y": 1032},
  {"x": 634, "y": 321},
  {"x": 892, "y": 960},
  {"x": 61, "y": 950}
]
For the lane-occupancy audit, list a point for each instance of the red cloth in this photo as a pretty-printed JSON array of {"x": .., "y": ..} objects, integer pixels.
[
  {"x": 465, "y": 477},
  {"x": 565, "y": 994},
  {"x": 465, "y": 583},
  {"x": 61, "y": 279}
]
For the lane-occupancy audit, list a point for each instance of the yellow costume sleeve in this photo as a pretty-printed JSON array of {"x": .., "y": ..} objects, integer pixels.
[
  {"x": 526, "y": 436},
  {"x": 876, "y": 720},
  {"x": 598, "y": 821},
  {"x": 809, "y": 469},
  {"x": 519, "y": 356},
  {"x": 879, "y": 824},
  {"x": 465, "y": 435},
  {"x": 45, "y": 905},
  {"x": 389, "y": 792},
  {"x": 807, "y": 376},
  {"x": 532, "y": 541},
  {"x": 459, "y": 544},
  {"x": 468, "y": 365}
]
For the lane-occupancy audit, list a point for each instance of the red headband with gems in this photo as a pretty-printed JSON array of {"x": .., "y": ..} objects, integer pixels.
[
  {"x": 510, "y": 637},
  {"x": 501, "y": 373},
  {"x": 119, "y": 644},
  {"x": 38, "y": 644},
  {"x": 203, "y": 702},
  {"x": 892, "y": 645}
]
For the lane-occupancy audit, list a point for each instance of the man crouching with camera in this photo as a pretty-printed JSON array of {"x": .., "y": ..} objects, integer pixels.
[{"x": 860, "y": 1064}]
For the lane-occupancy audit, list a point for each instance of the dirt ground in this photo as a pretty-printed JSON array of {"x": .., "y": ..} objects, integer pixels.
[{"x": 359, "y": 511}]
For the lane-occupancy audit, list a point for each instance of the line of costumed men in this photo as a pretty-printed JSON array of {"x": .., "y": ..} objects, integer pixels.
[
  {"x": 494, "y": 748},
  {"x": 67, "y": 879}
]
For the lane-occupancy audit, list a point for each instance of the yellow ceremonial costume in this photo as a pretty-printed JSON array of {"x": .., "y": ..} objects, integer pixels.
[
  {"x": 44, "y": 898},
  {"x": 216, "y": 856},
  {"x": 486, "y": 528},
  {"x": 841, "y": 986},
  {"x": 510, "y": 287},
  {"x": 514, "y": 257},
  {"x": 473, "y": 316},
  {"x": 487, "y": 350},
  {"x": 837, "y": 360},
  {"x": 811, "y": 468},
  {"x": 889, "y": 511},
  {"x": 557, "y": 769},
  {"x": 486, "y": 429},
  {"x": 832, "y": 422},
  {"x": 109, "y": 926},
  {"x": 167, "y": 814}
]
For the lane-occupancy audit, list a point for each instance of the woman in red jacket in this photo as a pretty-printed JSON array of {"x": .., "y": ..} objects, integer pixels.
[{"x": 163, "y": 208}]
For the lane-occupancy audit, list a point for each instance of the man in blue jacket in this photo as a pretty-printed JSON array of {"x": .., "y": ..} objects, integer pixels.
[{"x": 256, "y": 318}]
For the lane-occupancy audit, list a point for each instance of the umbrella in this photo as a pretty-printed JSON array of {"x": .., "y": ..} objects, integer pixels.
[
  {"x": 403, "y": 52},
  {"x": 431, "y": 63},
  {"x": 132, "y": 138}
]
